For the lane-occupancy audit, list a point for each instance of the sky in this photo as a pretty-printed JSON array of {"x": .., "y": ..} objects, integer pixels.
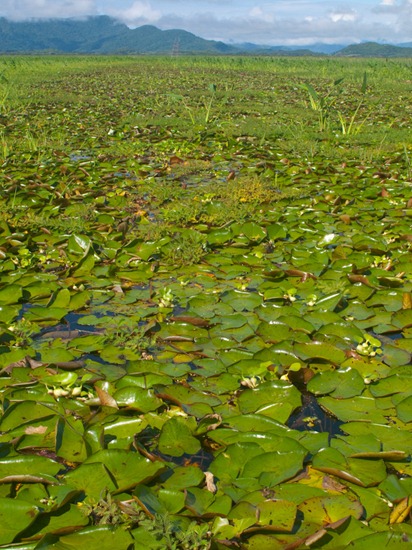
[{"x": 278, "y": 22}]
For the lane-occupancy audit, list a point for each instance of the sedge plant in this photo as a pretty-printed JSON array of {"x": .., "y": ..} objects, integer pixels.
[{"x": 325, "y": 106}]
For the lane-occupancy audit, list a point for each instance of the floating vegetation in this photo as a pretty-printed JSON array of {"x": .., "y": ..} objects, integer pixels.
[{"x": 205, "y": 304}]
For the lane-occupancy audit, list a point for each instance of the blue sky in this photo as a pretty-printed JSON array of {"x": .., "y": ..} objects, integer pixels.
[{"x": 294, "y": 22}]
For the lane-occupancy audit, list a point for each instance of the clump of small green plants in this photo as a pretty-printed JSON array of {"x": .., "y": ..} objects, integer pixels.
[
  {"x": 21, "y": 332},
  {"x": 107, "y": 511},
  {"x": 171, "y": 533},
  {"x": 187, "y": 248},
  {"x": 175, "y": 536},
  {"x": 254, "y": 190},
  {"x": 125, "y": 333}
]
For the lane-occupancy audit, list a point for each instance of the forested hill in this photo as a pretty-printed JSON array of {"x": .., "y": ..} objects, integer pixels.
[
  {"x": 102, "y": 35},
  {"x": 373, "y": 49},
  {"x": 105, "y": 35}
]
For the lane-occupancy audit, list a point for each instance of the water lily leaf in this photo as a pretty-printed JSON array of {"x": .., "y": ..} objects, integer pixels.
[
  {"x": 137, "y": 398},
  {"x": 320, "y": 350},
  {"x": 60, "y": 357},
  {"x": 102, "y": 537},
  {"x": 70, "y": 443},
  {"x": 242, "y": 301},
  {"x": 172, "y": 501},
  {"x": 361, "y": 408},
  {"x": 60, "y": 298},
  {"x": 394, "y": 488},
  {"x": 85, "y": 266},
  {"x": 402, "y": 318},
  {"x": 389, "y": 539},
  {"x": 278, "y": 354},
  {"x": 79, "y": 300},
  {"x": 11, "y": 294},
  {"x": 354, "y": 470},
  {"x": 395, "y": 357},
  {"x": 219, "y": 236},
  {"x": 15, "y": 517},
  {"x": 183, "y": 477},
  {"x": 32, "y": 466},
  {"x": 404, "y": 410},
  {"x": 341, "y": 384},
  {"x": 146, "y": 539},
  {"x": 118, "y": 354},
  {"x": 40, "y": 313},
  {"x": 165, "y": 501},
  {"x": 79, "y": 244},
  {"x": 272, "y": 468},
  {"x": 276, "y": 231},
  {"x": 61, "y": 524},
  {"x": 390, "y": 385},
  {"x": 92, "y": 479},
  {"x": 268, "y": 441},
  {"x": 391, "y": 437},
  {"x": 8, "y": 313},
  {"x": 274, "y": 399},
  {"x": 328, "y": 303},
  {"x": 146, "y": 250},
  {"x": 127, "y": 469},
  {"x": 228, "y": 464},
  {"x": 124, "y": 427},
  {"x": 186, "y": 396},
  {"x": 273, "y": 515},
  {"x": 239, "y": 334},
  {"x": 257, "y": 423},
  {"x": 20, "y": 414},
  {"x": 273, "y": 332},
  {"x": 199, "y": 501},
  {"x": 176, "y": 439},
  {"x": 351, "y": 445},
  {"x": 327, "y": 510},
  {"x": 343, "y": 330},
  {"x": 253, "y": 231},
  {"x": 242, "y": 516}
]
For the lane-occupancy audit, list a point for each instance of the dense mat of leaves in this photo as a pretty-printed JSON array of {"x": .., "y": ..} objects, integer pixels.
[{"x": 205, "y": 304}]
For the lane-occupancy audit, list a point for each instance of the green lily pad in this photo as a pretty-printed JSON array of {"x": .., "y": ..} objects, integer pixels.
[
  {"x": 391, "y": 539},
  {"x": 274, "y": 399},
  {"x": 320, "y": 350},
  {"x": 137, "y": 398},
  {"x": 404, "y": 410},
  {"x": 353, "y": 470},
  {"x": 15, "y": 516},
  {"x": 272, "y": 468},
  {"x": 327, "y": 510},
  {"x": 361, "y": 408},
  {"x": 341, "y": 384},
  {"x": 176, "y": 438},
  {"x": 102, "y": 537},
  {"x": 29, "y": 468}
]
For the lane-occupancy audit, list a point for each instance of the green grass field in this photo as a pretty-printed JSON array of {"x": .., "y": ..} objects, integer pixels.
[{"x": 205, "y": 303}]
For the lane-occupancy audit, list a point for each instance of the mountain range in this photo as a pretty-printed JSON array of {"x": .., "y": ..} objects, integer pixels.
[{"x": 105, "y": 35}]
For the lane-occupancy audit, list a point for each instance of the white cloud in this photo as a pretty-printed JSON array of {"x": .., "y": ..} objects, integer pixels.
[
  {"x": 258, "y": 13},
  {"x": 139, "y": 13},
  {"x": 24, "y": 9},
  {"x": 338, "y": 16}
]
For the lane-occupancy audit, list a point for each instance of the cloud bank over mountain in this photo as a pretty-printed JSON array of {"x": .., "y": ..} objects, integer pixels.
[{"x": 294, "y": 22}]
